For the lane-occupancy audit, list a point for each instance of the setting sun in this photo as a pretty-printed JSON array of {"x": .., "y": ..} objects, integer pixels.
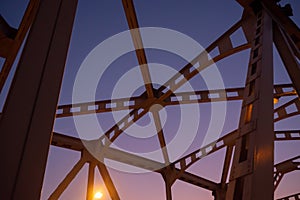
[{"x": 98, "y": 195}]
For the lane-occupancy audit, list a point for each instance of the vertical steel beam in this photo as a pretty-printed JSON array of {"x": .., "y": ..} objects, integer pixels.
[
  {"x": 168, "y": 190},
  {"x": 90, "y": 183},
  {"x": 252, "y": 171},
  {"x": 28, "y": 115}
]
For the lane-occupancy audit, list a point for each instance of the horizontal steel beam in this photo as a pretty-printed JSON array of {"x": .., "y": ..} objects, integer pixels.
[
  {"x": 205, "y": 96},
  {"x": 73, "y": 143},
  {"x": 76, "y": 144},
  {"x": 284, "y": 135}
]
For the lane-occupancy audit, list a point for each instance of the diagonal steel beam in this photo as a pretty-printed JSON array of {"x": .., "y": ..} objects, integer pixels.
[
  {"x": 198, "y": 64},
  {"x": 108, "y": 181},
  {"x": 67, "y": 180},
  {"x": 284, "y": 111},
  {"x": 138, "y": 44},
  {"x": 288, "y": 57},
  {"x": 291, "y": 197},
  {"x": 285, "y": 167},
  {"x": 185, "y": 162},
  {"x": 13, "y": 48},
  {"x": 131, "y": 159}
]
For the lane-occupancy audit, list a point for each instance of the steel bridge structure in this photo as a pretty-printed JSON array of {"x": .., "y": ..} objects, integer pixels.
[{"x": 249, "y": 171}]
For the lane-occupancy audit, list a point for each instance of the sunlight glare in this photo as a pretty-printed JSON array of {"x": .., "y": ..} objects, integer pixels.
[{"x": 98, "y": 195}]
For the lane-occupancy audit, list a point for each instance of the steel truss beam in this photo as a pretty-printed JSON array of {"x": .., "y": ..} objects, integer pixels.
[
  {"x": 291, "y": 197},
  {"x": 288, "y": 109},
  {"x": 287, "y": 55},
  {"x": 11, "y": 41},
  {"x": 287, "y": 40},
  {"x": 254, "y": 149},
  {"x": 76, "y": 144},
  {"x": 36, "y": 84},
  {"x": 231, "y": 94},
  {"x": 201, "y": 62},
  {"x": 177, "y": 171},
  {"x": 285, "y": 167},
  {"x": 182, "y": 98},
  {"x": 138, "y": 45}
]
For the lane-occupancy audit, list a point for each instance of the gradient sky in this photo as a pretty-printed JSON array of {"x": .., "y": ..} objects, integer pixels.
[{"x": 203, "y": 21}]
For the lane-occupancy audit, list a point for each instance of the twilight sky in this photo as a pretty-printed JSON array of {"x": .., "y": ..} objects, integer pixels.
[{"x": 203, "y": 21}]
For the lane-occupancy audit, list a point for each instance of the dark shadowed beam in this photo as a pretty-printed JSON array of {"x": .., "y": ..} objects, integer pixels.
[
  {"x": 11, "y": 43},
  {"x": 278, "y": 16},
  {"x": 27, "y": 129}
]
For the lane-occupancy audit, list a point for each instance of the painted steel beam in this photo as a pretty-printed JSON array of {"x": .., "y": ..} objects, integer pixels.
[
  {"x": 285, "y": 167},
  {"x": 27, "y": 129},
  {"x": 287, "y": 135},
  {"x": 131, "y": 159},
  {"x": 185, "y": 162},
  {"x": 138, "y": 44},
  {"x": 198, "y": 181},
  {"x": 278, "y": 16},
  {"x": 160, "y": 135},
  {"x": 7, "y": 35},
  {"x": 90, "y": 182},
  {"x": 291, "y": 197},
  {"x": 198, "y": 64},
  {"x": 73, "y": 143},
  {"x": 251, "y": 174},
  {"x": 108, "y": 181},
  {"x": 205, "y": 96},
  {"x": 287, "y": 56},
  {"x": 228, "y": 140},
  {"x": 15, "y": 43},
  {"x": 68, "y": 142},
  {"x": 289, "y": 109},
  {"x": 67, "y": 180}
]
